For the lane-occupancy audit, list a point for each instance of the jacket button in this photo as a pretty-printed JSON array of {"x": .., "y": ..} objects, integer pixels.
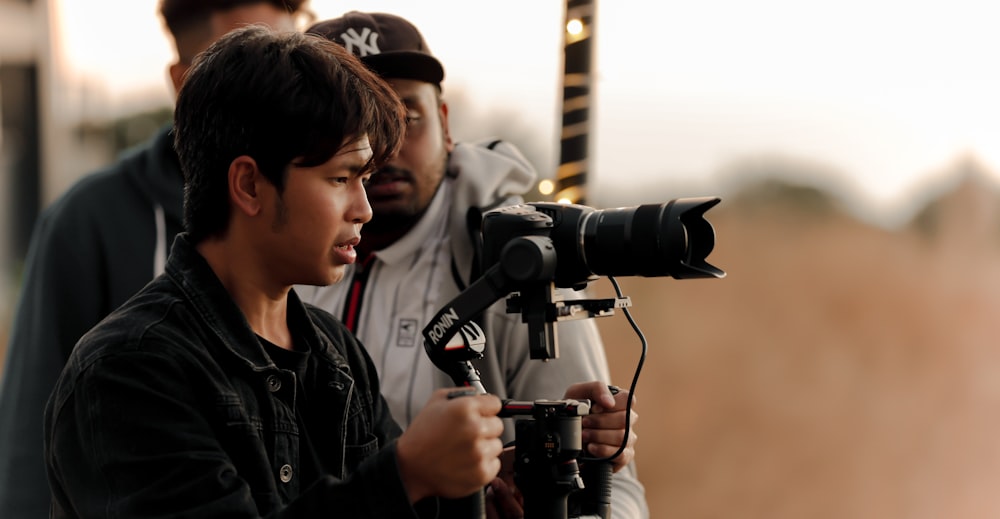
[
  {"x": 273, "y": 383},
  {"x": 285, "y": 473}
]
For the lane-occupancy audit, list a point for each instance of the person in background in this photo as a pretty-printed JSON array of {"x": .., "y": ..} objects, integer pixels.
[
  {"x": 97, "y": 245},
  {"x": 214, "y": 391},
  {"x": 417, "y": 253}
]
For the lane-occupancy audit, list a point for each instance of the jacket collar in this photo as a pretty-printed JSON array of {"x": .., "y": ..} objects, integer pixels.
[{"x": 191, "y": 273}]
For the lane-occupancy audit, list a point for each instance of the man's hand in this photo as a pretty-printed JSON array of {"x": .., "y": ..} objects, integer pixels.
[
  {"x": 604, "y": 427},
  {"x": 503, "y": 498},
  {"x": 452, "y": 448}
]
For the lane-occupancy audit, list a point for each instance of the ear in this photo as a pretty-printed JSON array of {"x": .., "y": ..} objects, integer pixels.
[
  {"x": 443, "y": 114},
  {"x": 177, "y": 71},
  {"x": 243, "y": 183}
]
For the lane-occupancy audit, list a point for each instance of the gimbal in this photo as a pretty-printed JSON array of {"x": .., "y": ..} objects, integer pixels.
[
  {"x": 520, "y": 248},
  {"x": 547, "y": 432}
]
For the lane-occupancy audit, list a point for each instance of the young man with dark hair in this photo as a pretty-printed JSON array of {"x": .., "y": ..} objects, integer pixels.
[
  {"x": 417, "y": 252},
  {"x": 214, "y": 392},
  {"x": 94, "y": 247}
]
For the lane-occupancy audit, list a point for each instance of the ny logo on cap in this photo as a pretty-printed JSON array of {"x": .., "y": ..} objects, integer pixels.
[{"x": 366, "y": 42}]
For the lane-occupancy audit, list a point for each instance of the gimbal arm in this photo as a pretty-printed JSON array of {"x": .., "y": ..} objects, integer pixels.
[{"x": 525, "y": 262}]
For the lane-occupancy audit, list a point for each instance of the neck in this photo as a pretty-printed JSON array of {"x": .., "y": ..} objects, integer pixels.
[{"x": 264, "y": 307}]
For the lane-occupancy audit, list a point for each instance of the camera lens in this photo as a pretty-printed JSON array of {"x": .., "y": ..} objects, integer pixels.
[{"x": 669, "y": 239}]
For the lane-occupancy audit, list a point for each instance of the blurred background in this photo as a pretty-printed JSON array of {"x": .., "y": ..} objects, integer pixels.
[{"x": 843, "y": 368}]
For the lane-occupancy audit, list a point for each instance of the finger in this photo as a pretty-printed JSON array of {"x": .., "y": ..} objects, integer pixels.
[
  {"x": 618, "y": 402},
  {"x": 490, "y": 451},
  {"x": 491, "y": 427},
  {"x": 507, "y": 465},
  {"x": 490, "y": 405},
  {"x": 604, "y": 395},
  {"x": 606, "y": 436},
  {"x": 597, "y": 392},
  {"x": 504, "y": 500},
  {"x": 621, "y": 400},
  {"x": 608, "y": 420},
  {"x": 489, "y": 502}
]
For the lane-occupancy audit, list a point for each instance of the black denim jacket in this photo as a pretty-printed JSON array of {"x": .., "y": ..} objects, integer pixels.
[{"x": 170, "y": 407}]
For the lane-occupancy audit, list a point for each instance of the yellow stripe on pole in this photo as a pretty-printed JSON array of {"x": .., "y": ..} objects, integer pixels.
[{"x": 578, "y": 35}]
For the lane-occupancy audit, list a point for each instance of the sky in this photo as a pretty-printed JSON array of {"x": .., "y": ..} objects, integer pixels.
[{"x": 886, "y": 94}]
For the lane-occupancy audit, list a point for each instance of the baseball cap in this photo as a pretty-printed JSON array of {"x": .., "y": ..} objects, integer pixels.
[{"x": 389, "y": 45}]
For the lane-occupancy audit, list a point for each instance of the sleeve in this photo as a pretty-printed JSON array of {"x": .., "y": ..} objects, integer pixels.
[
  {"x": 581, "y": 358},
  {"x": 57, "y": 304},
  {"x": 129, "y": 440},
  {"x": 135, "y": 438}
]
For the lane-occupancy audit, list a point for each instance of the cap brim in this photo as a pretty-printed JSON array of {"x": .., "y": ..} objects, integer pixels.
[{"x": 406, "y": 65}]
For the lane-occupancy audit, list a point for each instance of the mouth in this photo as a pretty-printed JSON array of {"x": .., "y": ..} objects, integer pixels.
[
  {"x": 389, "y": 175},
  {"x": 388, "y": 183},
  {"x": 349, "y": 244},
  {"x": 344, "y": 252}
]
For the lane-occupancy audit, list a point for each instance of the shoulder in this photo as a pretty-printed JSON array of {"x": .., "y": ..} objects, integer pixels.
[
  {"x": 488, "y": 173},
  {"x": 343, "y": 341},
  {"x": 122, "y": 361},
  {"x": 99, "y": 198},
  {"x": 495, "y": 153},
  {"x": 100, "y": 189},
  {"x": 89, "y": 192},
  {"x": 135, "y": 334},
  {"x": 153, "y": 319},
  {"x": 326, "y": 322}
]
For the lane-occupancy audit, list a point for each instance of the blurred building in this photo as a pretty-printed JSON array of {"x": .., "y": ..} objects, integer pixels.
[{"x": 45, "y": 143}]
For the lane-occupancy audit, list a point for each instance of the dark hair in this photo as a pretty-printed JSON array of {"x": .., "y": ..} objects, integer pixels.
[
  {"x": 276, "y": 97},
  {"x": 182, "y": 15}
]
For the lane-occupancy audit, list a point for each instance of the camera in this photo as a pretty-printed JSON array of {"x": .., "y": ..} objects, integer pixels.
[
  {"x": 528, "y": 251},
  {"x": 669, "y": 239}
]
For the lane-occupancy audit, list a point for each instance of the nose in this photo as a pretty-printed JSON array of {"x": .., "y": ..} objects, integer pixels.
[{"x": 360, "y": 210}]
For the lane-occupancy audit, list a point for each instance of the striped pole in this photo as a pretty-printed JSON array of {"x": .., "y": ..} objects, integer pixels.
[{"x": 578, "y": 35}]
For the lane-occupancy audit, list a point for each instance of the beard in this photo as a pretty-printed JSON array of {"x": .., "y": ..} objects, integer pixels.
[
  {"x": 280, "y": 215},
  {"x": 397, "y": 215},
  {"x": 392, "y": 221}
]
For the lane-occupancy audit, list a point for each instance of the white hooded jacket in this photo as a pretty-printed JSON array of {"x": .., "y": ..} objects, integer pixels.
[{"x": 408, "y": 282}]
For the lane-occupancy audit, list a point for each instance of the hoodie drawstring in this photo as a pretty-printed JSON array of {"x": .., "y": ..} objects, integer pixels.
[{"x": 160, "y": 253}]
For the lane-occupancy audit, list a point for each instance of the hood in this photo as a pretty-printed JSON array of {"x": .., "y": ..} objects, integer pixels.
[
  {"x": 487, "y": 174},
  {"x": 488, "y": 171},
  {"x": 155, "y": 171}
]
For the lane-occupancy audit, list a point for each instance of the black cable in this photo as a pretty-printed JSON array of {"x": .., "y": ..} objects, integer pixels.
[{"x": 635, "y": 378}]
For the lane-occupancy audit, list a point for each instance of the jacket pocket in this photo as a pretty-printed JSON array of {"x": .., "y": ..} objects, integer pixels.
[{"x": 355, "y": 454}]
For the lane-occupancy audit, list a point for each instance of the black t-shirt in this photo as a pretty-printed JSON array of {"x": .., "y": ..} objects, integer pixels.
[{"x": 297, "y": 361}]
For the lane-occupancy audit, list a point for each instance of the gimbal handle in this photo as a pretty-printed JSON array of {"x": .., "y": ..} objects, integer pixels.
[{"x": 453, "y": 339}]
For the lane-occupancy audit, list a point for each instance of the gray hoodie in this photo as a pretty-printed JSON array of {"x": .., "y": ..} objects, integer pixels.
[{"x": 480, "y": 176}]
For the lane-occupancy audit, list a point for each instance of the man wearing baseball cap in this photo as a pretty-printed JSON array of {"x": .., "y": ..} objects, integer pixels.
[{"x": 417, "y": 253}]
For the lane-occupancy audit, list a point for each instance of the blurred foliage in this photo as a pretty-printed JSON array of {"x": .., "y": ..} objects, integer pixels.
[
  {"x": 125, "y": 132},
  {"x": 964, "y": 189},
  {"x": 771, "y": 193},
  {"x": 137, "y": 128}
]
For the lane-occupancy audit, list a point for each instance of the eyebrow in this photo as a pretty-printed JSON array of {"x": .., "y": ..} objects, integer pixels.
[{"x": 410, "y": 99}]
